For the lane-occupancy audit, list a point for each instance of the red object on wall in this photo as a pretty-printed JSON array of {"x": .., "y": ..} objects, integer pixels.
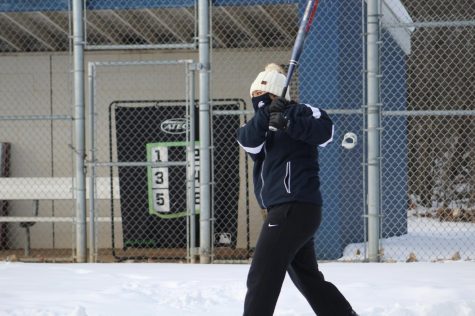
[{"x": 4, "y": 172}]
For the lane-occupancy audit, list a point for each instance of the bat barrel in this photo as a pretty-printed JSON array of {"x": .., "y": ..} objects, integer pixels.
[{"x": 304, "y": 28}]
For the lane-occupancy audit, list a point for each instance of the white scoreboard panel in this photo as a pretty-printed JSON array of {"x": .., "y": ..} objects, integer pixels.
[{"x": 161, "y": 187}]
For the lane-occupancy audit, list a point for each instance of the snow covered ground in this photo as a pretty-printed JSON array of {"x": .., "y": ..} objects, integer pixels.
[
  {"x": 428, "y": 239},
  {"x": 440, "y": 288},
  {"x": 384, "y": 289}
]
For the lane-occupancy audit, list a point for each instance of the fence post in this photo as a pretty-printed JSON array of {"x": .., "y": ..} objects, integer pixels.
[
  {"x": 373, "y": 14},
  {"x": 92, "y": 160},
  {"x": 79, "y": 122},
  {"x": 191, "y": 163},
  {"x": 205, "y": 161}
]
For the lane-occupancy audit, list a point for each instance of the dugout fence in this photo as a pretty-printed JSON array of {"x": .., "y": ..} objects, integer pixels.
[{"x": 145, "y": 58}]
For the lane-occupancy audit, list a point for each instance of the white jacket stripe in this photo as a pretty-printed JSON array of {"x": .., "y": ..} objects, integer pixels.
[
  {"x": 331, "y": 138},
  {"x": 315, "y": 111},
  {"x": 252, "y": 150},
  {"x": 317, "y": 114}
]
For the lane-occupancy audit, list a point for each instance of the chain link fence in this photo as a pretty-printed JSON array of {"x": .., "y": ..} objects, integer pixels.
[
  {"x": 140, "y": 24},
  {"x": 146, "y": 208},
  {"x": 430, "y": 139},
  {"x": 36, "y": 185},
  {"x": 248, "y": 36}
]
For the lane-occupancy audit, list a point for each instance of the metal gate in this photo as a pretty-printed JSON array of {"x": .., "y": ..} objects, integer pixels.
[{"x": 142, "y": 160}]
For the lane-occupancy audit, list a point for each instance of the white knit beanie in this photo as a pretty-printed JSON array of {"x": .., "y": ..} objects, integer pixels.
[{"x": 271, "y": 80}]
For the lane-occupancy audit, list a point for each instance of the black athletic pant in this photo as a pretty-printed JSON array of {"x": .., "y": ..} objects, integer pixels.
[{"x": 286, "y": 244}]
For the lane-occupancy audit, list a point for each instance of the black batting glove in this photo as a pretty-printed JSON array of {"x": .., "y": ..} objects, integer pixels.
[
  {"x": 277, "y": 121},
  {"x": 265, "y": 111},
  {"x": 279, "y": 105}
]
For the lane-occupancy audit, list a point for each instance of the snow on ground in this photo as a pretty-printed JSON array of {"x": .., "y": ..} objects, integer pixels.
[
  {"x": 440, "y": 288},
  {"x": 384, "y": 289},
  {"x": 427, "y": 238}
]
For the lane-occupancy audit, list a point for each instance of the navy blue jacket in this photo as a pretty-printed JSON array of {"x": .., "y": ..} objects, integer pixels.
[{"x": 286, "y": 161}]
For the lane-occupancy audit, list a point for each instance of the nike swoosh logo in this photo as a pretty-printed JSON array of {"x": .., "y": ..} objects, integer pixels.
[{"x": 270, "y": 225}]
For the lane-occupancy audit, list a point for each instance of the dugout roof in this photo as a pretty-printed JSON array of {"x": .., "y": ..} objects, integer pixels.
[{"x": 31, "y": 25}]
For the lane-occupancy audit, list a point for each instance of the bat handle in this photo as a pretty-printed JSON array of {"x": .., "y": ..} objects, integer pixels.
[{"x": 284, "y": 91}]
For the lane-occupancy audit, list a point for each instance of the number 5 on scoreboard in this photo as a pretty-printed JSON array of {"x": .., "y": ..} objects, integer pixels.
[{"x": 161, "y": 201}]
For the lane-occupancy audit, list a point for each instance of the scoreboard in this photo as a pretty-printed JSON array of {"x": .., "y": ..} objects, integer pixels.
[{"x": 161, "y": 186}]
